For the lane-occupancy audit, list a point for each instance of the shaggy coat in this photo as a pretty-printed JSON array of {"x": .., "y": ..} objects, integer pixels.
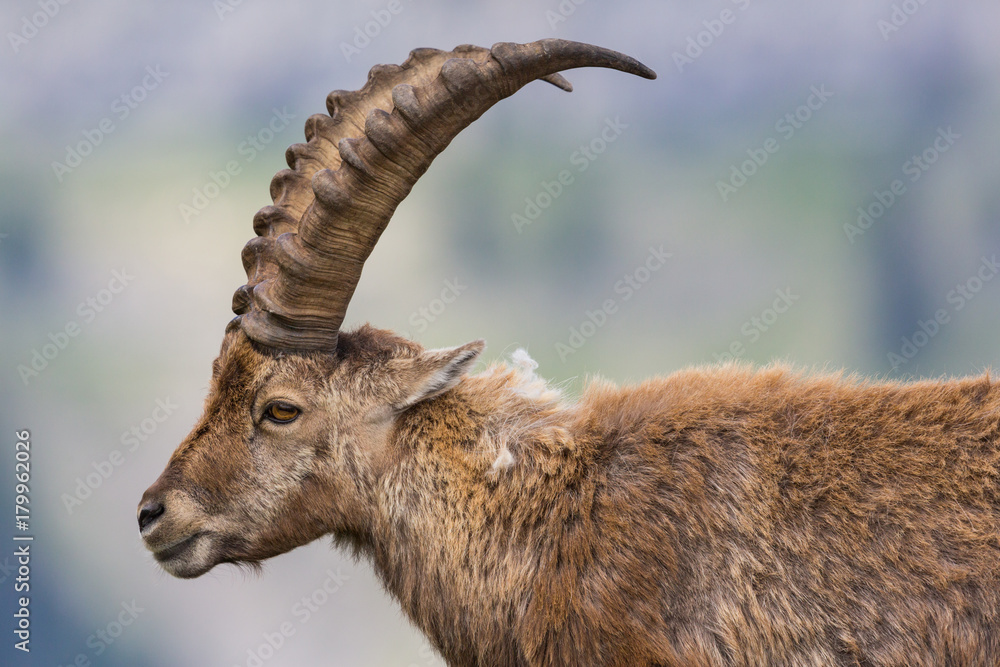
[
  {"x": 721, "y": 516},
  {"x": 718, "y": 516}
]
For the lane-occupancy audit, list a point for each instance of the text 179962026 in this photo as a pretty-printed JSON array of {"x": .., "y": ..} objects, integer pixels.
[{"x": 22, "y": 541}]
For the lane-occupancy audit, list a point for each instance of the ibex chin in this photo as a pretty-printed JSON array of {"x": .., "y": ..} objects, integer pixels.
[{"x": 718, "y": 516}]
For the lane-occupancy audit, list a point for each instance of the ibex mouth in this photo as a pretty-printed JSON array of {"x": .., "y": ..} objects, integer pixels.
[
  {"x": 174, "y": 549},
  {"x": 188, "y": 557}
]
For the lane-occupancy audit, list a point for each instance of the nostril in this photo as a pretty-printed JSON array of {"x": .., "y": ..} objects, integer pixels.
[{"x": 149, "y": 512}]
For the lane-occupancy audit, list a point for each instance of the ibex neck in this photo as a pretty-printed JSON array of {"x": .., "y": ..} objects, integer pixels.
[{"x": 487, "y": 467}]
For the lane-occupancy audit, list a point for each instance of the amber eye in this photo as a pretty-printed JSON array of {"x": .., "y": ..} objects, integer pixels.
[{"x": 281, "y": 413}]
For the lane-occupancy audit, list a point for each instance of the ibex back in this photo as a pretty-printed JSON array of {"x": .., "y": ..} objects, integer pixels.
[{"x": 719, "y": 516}]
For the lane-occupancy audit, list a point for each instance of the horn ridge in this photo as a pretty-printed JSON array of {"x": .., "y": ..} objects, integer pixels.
[{"x": 361, "y": 161}]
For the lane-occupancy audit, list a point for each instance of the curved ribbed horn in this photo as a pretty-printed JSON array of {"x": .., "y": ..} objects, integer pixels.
[{"x": 362, "y": 160}]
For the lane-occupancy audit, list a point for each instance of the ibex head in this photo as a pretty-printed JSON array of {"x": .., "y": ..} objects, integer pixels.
[{"x": 298, "y": 421}]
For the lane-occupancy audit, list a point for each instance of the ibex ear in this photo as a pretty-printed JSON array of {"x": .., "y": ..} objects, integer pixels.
[{"x": 434, "y": 372}]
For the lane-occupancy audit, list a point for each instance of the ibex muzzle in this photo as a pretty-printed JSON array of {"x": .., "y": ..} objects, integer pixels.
[{"x": 719, "y": 516}]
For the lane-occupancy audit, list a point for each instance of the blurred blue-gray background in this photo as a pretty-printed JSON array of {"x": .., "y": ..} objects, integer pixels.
[{"x": 823, "y": 176}]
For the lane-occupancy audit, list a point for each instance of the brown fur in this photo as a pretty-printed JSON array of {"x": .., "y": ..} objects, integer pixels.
[{"x": 719, "y": 516}]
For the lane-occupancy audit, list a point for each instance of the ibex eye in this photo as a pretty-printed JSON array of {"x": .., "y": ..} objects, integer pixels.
[{"x": 281, "y": 413}]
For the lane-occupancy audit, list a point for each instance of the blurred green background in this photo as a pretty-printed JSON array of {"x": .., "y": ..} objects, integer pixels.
[{"x": 161, "y": 96}]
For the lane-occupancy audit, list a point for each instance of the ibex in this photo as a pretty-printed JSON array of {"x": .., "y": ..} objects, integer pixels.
[{"x": 718, "y": 516}]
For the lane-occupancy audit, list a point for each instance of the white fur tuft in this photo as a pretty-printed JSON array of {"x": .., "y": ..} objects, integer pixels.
[
  {"x": 531, "y": 386},
  {"x": 504, "y": 460},
  {"x": 530, "y": 401},
  {"x": 523, "y": 361}
]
